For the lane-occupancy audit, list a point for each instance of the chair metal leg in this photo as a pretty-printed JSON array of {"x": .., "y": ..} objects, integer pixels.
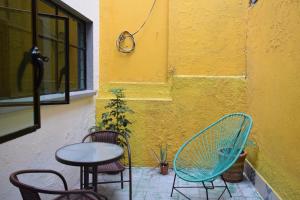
[
  {"x": 173, "y": 185},
  {"x": 226, "y": 186},
  {"x": 95, "y": 178},
  {"x": 208, "y": 187},
  {"x": 122, "y": 185},
  {"x": 102, "y": 196},
  {"x": 206, "y": 190},
  {"x": 130, "y": 184}
]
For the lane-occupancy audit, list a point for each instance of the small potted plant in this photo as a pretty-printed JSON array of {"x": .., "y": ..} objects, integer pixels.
[
  {"x": 162, "y": 159},
  {"x": 235, "y": 173}
]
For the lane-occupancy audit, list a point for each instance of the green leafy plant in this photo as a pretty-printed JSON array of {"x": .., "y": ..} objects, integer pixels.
[
  {"x": 163, "y": 155},
  {"x": 115, "y": 119}
]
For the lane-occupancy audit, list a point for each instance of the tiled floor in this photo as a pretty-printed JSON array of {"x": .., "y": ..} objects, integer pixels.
[{"x": 148, "y": 184}]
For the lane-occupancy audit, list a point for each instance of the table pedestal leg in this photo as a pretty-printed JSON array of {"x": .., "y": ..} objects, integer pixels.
[
  {"x": 86, "y": 177},
  {"x": 95, "y": 178},
  {"x": 81, "y": 177}
]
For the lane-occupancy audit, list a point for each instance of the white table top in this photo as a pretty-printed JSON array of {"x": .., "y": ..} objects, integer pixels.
[{"x": 89, "y": 153}]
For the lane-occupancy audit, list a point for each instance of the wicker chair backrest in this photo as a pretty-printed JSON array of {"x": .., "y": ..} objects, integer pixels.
[
  {"x": 104, "y": 136},
  {"x": 27, "y": 192}
]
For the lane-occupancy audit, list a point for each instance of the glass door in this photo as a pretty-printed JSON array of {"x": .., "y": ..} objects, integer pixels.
[
  {"x": 19, "y": 105},
  {"x": 34, "y": 65}
]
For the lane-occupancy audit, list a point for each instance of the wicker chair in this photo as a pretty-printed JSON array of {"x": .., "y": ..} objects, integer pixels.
[
  {"x": 114, "y": 167},
  {"x": 209, "y": 153},
  {"x": 29, "y": 192}
]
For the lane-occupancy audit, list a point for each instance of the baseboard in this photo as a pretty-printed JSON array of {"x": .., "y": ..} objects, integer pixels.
[{"x": 262, "y": 187}]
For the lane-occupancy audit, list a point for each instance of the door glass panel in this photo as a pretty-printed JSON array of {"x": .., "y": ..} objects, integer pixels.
[
  {"x": 81, "y": 33},
  {"x": 74, "y": 69},
  {"x": 16, "y": 42},
  {"x": 52, "y": 42},
  {"x": 77, "y": 51},
  {"x": 45, "y": 7},
  {"x": 81, "y": 69},
  {"x": 73, "y": 32},
  {"x": 13, "y": 119},
  {"x": 16, "y": 78}
]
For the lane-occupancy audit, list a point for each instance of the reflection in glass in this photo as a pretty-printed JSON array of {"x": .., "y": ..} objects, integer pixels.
[
  {"x": 77, "y": 74},
  {"x": 15, "y": 44},
  {"x": 13, "y": 119},
  {"x": 16, "y": 70},
  {"x": 52, "y": 45},
  {"x": 73, "y": 26},
  {"x": 81, "y": 68},
  {"x": 46, "y": 7},
  {"x": 73, "y": 70},
  {"x": 77, "y": 53}
]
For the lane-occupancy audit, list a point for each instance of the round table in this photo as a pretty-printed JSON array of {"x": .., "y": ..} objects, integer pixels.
[{"x": 89, "y": 154}]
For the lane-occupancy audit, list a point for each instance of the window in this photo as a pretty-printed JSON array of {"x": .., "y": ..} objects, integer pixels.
[
  {"x": 42, "y": 54},
  {"x": 77, "y": 49}
]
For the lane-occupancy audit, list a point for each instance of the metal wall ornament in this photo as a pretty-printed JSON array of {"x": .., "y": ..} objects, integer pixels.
[
  {"x": 252, "y": 2},
  {"x": 124, "y": 45},
  {"x": 125, "y": 42}
]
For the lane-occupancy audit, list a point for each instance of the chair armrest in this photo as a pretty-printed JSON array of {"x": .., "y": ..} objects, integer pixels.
[
  {"x": 14, "y": 180},
  {"x": 85, "y": 137}
]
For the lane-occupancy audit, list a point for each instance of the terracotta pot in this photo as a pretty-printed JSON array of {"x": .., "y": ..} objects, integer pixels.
[
  {"x": 164, "y": 168},
  {"x": 235, "y": 173}
]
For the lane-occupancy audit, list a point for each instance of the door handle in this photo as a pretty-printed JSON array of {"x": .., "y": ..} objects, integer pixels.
[
  {"x": 40, "y": 67},
  {"x": 38, "y": 60}
]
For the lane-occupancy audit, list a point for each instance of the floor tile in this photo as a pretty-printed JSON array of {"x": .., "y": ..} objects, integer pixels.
[{"x": 148, "y": 184}]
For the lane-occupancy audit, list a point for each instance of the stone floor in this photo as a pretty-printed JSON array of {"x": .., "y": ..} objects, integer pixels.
[{"x": 148, "y": 184}]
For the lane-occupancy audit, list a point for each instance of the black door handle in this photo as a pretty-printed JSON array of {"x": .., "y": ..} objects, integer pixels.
[
  {"x": 40, "y": 65},
  {"x": 38, "y": 61}
]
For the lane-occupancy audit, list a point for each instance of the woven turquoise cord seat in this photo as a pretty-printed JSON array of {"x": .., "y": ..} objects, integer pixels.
[{"x": 209, "y": 153}]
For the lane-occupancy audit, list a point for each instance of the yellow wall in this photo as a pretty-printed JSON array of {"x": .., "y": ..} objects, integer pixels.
[
  {"x": 198, "y": 60},
  {"x": 207, "y": 37},
  {"x": 175, "y": 80},
  {"x": 194, "y": 104},
  {"x": 149, "y": 61},
  {"x": 274, "y": 92}
]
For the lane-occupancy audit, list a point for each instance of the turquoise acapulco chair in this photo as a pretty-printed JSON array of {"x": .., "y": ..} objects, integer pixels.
[{"x": 209, "y": 153}]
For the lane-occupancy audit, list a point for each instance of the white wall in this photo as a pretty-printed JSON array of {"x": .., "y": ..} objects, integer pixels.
[
  {"x": 61, "y": 125},
  {"x": 90, "y": 9}
]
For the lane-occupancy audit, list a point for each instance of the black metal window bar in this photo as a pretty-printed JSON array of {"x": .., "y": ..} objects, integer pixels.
[{"x": 37, "y": 59}]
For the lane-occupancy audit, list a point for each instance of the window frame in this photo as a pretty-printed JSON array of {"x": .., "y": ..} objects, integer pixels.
[
  {"x": 36, "y": 91},
  {"x": 60, "y": 6},
  {"x": 36, "y": 98},
  {"x": 67, "y": 75}
]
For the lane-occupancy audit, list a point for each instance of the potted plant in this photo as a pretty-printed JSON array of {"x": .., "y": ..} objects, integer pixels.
[
  {"x": 115, "y": 118},
  {"x": 162, "y": 159},
  {"x": 235, "y": 173}
]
